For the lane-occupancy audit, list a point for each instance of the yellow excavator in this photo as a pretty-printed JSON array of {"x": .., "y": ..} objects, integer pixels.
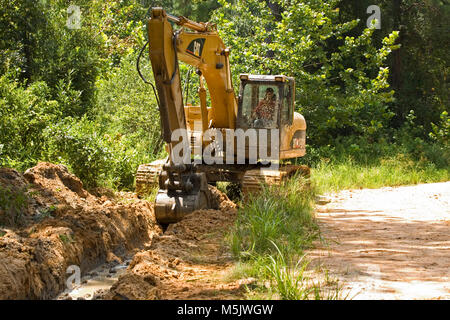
[{"x": 265, "y": 102}]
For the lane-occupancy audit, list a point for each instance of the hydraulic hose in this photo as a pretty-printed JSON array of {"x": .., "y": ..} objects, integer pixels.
[{"x": 142, "y": 77}]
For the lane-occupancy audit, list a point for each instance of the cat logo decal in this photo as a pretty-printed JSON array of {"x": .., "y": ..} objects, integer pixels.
[{"x": 195, "y": 48}]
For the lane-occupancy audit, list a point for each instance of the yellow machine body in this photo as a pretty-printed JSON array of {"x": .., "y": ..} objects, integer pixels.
[{"x": 182, "y": 187}]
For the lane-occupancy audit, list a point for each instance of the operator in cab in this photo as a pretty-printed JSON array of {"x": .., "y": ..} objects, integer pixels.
[{"x": 265, "y": 109}]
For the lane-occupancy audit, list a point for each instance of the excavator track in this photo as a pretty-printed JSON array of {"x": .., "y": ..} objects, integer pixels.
[
  {"x": 254, "y": 180},
  {"x": 147, "y": 176}
]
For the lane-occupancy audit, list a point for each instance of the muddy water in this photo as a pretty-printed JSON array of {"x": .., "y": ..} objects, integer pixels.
[
  {"x": 95, "y": 283},
  {"x": 180, "y": 263}
]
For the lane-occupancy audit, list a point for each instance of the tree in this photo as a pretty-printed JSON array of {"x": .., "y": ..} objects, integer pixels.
[
  {"x": 419, "y": 68},
  {"x": 341, "y": 80}
]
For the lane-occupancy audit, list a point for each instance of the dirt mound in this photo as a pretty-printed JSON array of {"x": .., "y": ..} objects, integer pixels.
[
  {"x": 133, "y": 287},
  {"x": 48, "y": 222},
  {"x": 220, "y": 200},
  {"x": 182, "y": 263}
]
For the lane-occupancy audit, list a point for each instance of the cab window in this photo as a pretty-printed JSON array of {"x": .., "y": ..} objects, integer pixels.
[
  {"x": 260, "y": 105},
  {"x": 287, "y": 105}
]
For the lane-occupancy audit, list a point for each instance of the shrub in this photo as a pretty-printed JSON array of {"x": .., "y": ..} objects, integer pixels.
[
  {"x": 24, "y": 114},
  {"x": 79, "y": 145}
]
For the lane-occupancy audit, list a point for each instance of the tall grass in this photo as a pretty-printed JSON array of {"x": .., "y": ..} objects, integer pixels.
[
  {"x": 270, "y": 235},
  {"x": 293, "y": 281},
  {"x": 278, "y": 214},
  {"x": 394, "y": 171},
  {"x": 288, "y": 278}
]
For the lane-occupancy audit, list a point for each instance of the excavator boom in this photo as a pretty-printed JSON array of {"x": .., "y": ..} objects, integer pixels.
[{"x": 202, "y": 48}]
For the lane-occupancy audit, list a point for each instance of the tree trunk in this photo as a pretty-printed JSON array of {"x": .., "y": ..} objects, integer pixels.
[{"x": 397, "y": 54}]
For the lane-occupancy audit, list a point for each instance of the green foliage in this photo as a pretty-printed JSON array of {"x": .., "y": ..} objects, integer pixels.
[
  {"x": 419, "y": 69},
  {"x": 197, "y": 10},
  {"x": 128, "y": 113},
  {"x": 24, "y": 114},
  {"x": 127, "y": 105},
  {"x": 410, "y": 138},
  {"x": 276, "y": 215},
  {"x": 441, "y": 131},
  {"x": 422, "y": 63},
  {"x": 79, "y": 145},
  {"x": 95, "y": 156},
  {"x": 120, "y": 25},
  {"x": 37, "y": 46},
  {"x": 13, "y": 202}
]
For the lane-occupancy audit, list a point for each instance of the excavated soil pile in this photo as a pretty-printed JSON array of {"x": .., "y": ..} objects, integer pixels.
[
  {"x": 186, "y": 262},
  {"x": 48, "y": 222}
]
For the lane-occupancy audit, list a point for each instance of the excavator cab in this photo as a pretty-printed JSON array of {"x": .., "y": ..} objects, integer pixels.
[{"x": 265, "y": 102}]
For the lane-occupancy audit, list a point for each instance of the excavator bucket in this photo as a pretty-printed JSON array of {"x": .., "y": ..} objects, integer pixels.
[
  {"x": 181, "y": 189},
  {"x": 172, "y": 205}
]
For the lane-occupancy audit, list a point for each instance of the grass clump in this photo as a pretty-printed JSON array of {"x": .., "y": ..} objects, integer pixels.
[
  {"x": 66, "y": 239},
  {"x": 292, "y": 281},
  {"x": 272, "y": 230},
  {"x": 279, "y": 214}
]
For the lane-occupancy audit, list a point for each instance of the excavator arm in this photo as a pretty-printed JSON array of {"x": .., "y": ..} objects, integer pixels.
[{"x": 201, "y": 47}]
